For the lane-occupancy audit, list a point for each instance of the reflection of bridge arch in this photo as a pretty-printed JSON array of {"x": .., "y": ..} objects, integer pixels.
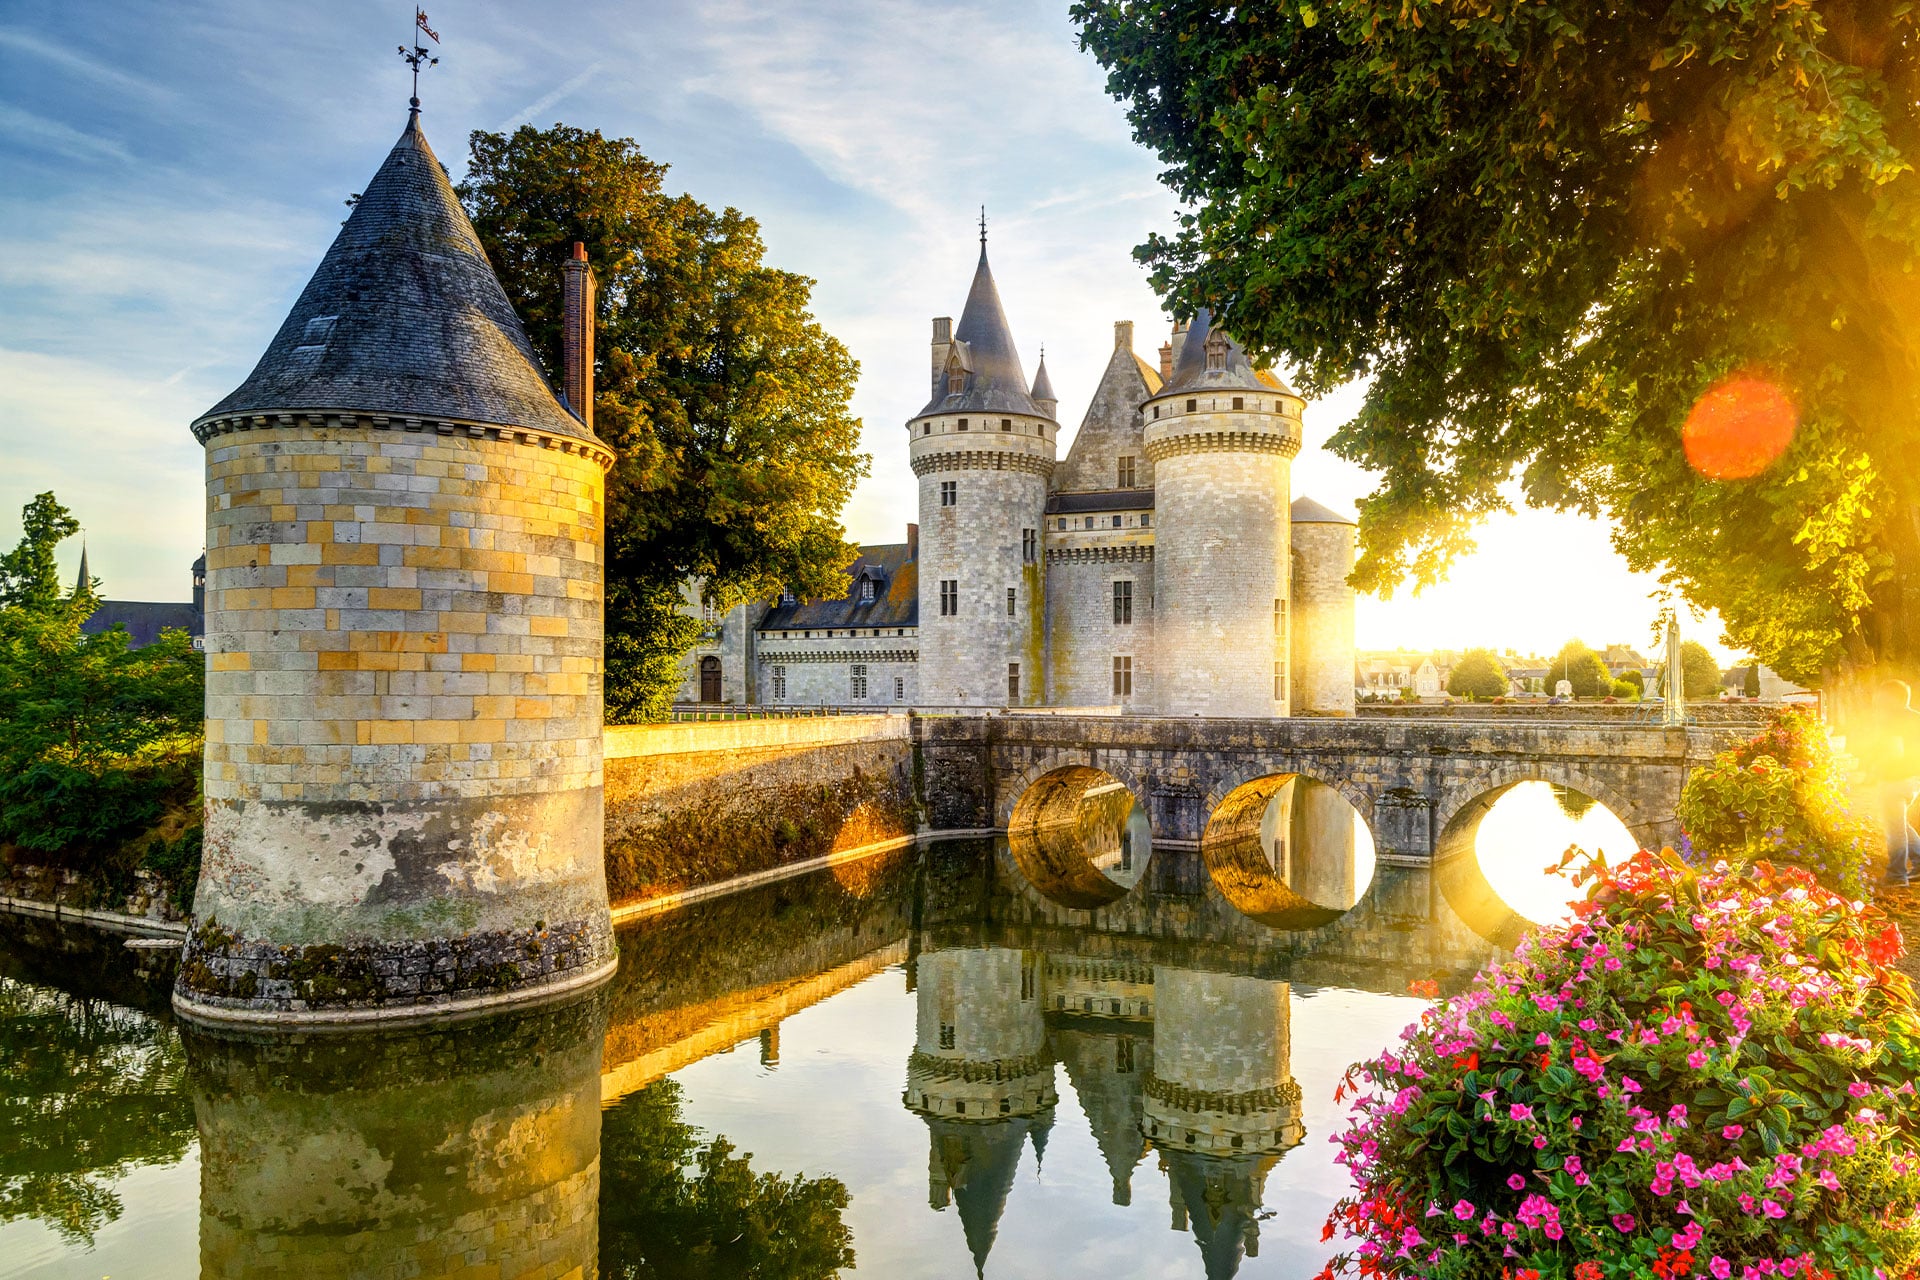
[
  {"x": 1016, "y": 792},
  {"x": 1065, "y": 820},
  {"x": 1469, "y": 801},
  {"x": 1278, "y": 772},
  {"x": 1458, "y": 875},
  {"x": 1243, "y": 850}
]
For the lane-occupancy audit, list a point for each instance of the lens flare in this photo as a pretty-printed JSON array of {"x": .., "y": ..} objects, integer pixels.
[{"x": 1739, "y": 427}]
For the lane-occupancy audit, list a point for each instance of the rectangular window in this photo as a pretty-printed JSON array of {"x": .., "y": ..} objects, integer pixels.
[
  {"x": 1013, "y": 682},
  {"x": 946, "y": 1035},
  {"x": 1123, "y": 603},
  {"x": 1029, "y": 545},
  {"x": 1280, "y": 618},
  {"x": 949, "y": 597},
  {"x": 1123, "y": 1055},
  {"x": 859, "y": 681},
  {"x": 1239, "y": 402},
  {"x": 1192, "y": 405},
  {"x": 1006, "y": 424},
  {"x": 963, "y": 424},
  {"x": 1012, "y": 601},
  {"x": 1063, "y": 522},
  {"x": 949, "y": 493},
  {"x": 1123, "y": 677},
  {"x": 1145, "y": 519},
  {"x": 1116, "y": 522},
  {"x": 866, "y": 591},
  {"x": 899, "y": 688},
  {"x": 1280, "y": 682},
  {"x": 779, "y": 684},
  {"x": 1089, "y": 522},
  {"x": 1126, "y": 471}
]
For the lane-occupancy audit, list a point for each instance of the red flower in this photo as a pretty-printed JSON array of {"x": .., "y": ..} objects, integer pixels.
[
  {"x": 1467, "y": 1061},
  {"x": 1588, "y": 1270},
  {"x": 1426, "y": 987},
  {"x": 1885, "y": 947}
]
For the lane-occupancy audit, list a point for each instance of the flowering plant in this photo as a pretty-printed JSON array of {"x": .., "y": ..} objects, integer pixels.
[
  {"x": 1707, "y": 1072},
  {"x": 1780, "y": 795}
]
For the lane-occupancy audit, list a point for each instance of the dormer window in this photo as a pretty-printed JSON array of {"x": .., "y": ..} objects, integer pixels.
[
  {"x": 866, "y": 591},
  {"x": 786, "y": 599},
  {"x": 1217, "y": 352},
  {"x": 956, "y": 382}
]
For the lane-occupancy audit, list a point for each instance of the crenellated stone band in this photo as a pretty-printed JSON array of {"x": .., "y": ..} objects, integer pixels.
[
  {"x": 207, "y": 428},
  {"x": 983, "y": 460},
  {"x": 1123, "y": 554},
  {"x": 1244, "y": 1102},
  {"x": 1172, "y": 445},
  {"x": 843, "y": 656},
  {"x": 971, "y": 1072}
]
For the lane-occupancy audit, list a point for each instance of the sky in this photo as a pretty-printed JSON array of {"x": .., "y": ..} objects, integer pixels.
[{"x": 170, "y": 175}]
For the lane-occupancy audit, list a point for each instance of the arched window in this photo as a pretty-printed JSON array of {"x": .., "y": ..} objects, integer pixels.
[{"x": 1217, "y": 351}]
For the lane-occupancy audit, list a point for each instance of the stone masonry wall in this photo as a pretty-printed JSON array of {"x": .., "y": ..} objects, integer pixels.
[
  {"x": 403, "y": 714},
  {"x": 1321, "y": 617},
  {"x": 1082, "y": 637},
  {"x": 697, "y": 803}
]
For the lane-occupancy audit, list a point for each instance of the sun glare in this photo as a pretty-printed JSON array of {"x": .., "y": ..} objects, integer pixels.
[{"x": 1739, "y": 427}]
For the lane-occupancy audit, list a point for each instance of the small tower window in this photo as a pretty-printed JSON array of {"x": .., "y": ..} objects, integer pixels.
[
  {"x": 1116, "y": 522},
  {"x": 1239, "y": 402},
  {"x": 1013, "y": 600},
  {"x": 963, "y": 424},
  {"x": 1145, "y": 519},
  {"x": 1029, "y": 545},
  {"x": 1280, "y": 617},
  {"x": 1126, "y": 471},
  {"x": 779, "y": 684},
  {"x": 1123, "y": 603},
  {"x": 1123, "y": 677},
  {"x": 1217, "y": 351},
  {"x": 949, "y": 597},
  {"x": 899, "y": 688},
  {"x": 1006, "y": 424},
  {"x": 949, "y": 493},
  {"x": 1013, "y": 682},
  {"x": 858, "y": 681},
  {"x": 1192, "y": 405},
  {"x": 1280, "y": 681}
]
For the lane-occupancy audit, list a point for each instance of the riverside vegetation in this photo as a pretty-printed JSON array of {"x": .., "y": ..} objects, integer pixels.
[{"x": 99, "y": 742}]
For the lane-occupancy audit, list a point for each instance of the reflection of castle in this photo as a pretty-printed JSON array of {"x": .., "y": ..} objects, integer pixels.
[{"x": 1190, "y": 1063}]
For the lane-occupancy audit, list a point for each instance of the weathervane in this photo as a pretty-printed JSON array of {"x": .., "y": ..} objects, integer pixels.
[
  {"x": 418, "y": 56},
  {"x": 983, "y": 226}
]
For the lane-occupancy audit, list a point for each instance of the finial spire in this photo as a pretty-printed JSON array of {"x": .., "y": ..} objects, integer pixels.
[
  {"x": 416, "y": 55},
  {"x": 983, "y": 228}
]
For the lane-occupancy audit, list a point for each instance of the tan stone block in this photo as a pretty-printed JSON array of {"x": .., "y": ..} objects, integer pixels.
[
  {"x": 477, "y": 661},
  {"x": 466, "y": 623},
  {"x": 531, "y": 709},
  {"x": 383, "y": 732},
  {"x": 392, "y": 598},
  {"x": 511, "y": 583},
  {"x": 230, "y": 662},
  {"x": 483, "y": 731},
  {"x": 437, "y": 730},
  {"x": 350, "y": 553},
  {"x": 292, "y": 598}
]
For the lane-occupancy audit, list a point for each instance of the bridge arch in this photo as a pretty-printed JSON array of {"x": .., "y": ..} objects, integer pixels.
[
  {"x": 1020, "y": 787},
  {"x": 1073, "y": 838},
  {"x": 1301, "y": 878}
]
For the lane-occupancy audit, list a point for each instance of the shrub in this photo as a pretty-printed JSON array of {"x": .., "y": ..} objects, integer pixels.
[
  {"x": 1478, "y": 674},
  {"x": 1707, "y": 1072},
  {"x": 1627, "y": 690},
  {"x": 1780, "y": 795}
]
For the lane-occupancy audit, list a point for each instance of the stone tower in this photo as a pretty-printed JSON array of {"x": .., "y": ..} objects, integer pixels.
[
  {"x": 1222, "y": 436},
  {"x": 404, "y": 563},
  {"x": 984, "y": 451},
  {"x": 1322, "y": 613}
]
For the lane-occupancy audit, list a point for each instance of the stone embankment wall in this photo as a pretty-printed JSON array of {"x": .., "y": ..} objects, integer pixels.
[
  {"x": 1713, "y": 715},
  {"x": 691, "y": 804}
]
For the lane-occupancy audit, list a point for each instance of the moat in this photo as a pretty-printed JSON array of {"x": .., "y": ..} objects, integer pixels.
[{"x": 914, "y": 1065}]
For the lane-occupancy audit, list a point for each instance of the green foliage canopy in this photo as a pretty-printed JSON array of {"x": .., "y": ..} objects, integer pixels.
[
  {"x": 725, "y": 402},
  {"x": 1478, "y": 674},
  {"x": 1581, "y": 667},
  {"x": 1543, "y": 231}
]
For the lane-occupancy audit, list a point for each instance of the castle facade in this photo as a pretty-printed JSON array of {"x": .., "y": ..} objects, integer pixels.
[{"x": 1163, "y": 567}]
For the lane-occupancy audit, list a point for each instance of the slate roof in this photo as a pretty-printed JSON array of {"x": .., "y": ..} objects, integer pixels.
[
  {"x": 1068, "y": 504},
  {"x": 896, "y": 596},
  {"x": 1042, "y": 384},
  {"x": 405, "y": 317},
  {"x": 144, "y": 619},
  {"x": 995, "y": 382},
  {"x": 1307, "y": 511},
  {"x": 1113, "y": 426},
  {"x": 1190, "y": 372}
]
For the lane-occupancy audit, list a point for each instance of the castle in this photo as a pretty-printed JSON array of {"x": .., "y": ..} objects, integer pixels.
[{"x": 1161, "y": 568}]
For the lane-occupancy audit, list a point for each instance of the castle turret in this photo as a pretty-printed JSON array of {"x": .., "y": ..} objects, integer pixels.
[
  {"x": 1322, "y": 616},
  {"x": 983, "y": 451},
  {"x": 1222, "y": 436},
  {"x": 403, "y": 607},
  {"x": 1043, "y": 397}
]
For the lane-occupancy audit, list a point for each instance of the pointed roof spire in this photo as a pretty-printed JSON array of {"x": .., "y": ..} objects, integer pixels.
[
  {"x": 405, "y": 317},
  {"x": 83, "y": 584},
  {"x": 984, "y": 351},
  {"x": 1195, "y": 369},
  {"x": 1042, "y": 392}
]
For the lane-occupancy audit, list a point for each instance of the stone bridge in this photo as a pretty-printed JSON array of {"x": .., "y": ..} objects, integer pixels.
[{"x": 1422, "y": 787}]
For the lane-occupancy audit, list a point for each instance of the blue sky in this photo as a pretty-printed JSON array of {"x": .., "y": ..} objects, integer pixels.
[{"x": 171, "y": 174}]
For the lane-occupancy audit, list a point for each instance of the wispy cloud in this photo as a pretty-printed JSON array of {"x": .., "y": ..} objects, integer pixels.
[
  {"x": 61, "y": 139},
  {"x": 546, "y": 101},
  {"x": 60, "y": 55}
]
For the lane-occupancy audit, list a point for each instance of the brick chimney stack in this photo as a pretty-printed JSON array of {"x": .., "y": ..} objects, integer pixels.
[
  {"x": 576, "y": 336},
  {"x": 1166, "y": 361},
  {"x": 1123, "y": 335},
  {"x": 913, "y": 542}
]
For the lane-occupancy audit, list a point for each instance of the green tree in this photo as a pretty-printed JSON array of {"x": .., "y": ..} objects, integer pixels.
[
  {"x": 1699, "y": 673},
  {"x": 1581, "y": 666},
  {"x": 675, "y": 1208},
  {"x": 1750, "y": 683},
  {"x": 1626, "y": 690},
  {"x": 96, "y": 738},
  {"x": 1543, "y": 232},
  {"x": 1478, "y": 674},
  {"x": 725, "y": 402},
  {"x": 1636, "y": 680}
]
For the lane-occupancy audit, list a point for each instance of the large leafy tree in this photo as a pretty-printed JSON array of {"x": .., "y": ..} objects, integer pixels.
[
  {"x": 1478, "y": 674},
  {"x": 726, "y": 403},
  {"x": 1581, "y": 667},
  {"x": 1545, "y": 232}
]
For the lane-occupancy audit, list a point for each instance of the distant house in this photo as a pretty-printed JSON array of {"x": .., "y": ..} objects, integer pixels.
[{"x": 144, "y": 620}]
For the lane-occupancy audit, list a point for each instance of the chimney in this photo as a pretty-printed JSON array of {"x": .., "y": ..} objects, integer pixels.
[
  {"x": 576, "y": 335},
  {"x": 1166, "y": 361},
  {"x": 1123, "y": 335},
  {"x": 942, "y": 343},
  {"x": 1178, "y": 343},
  {"x": 913, "y": 542}
]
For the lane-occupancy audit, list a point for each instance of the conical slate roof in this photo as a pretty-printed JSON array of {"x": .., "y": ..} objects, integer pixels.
[
  {"x": 1042, "y": 384},
  {"x": 995, "y": 382},
  {"x": 1191, "y": 372},
  {"x": 405, "y": 318},
  {"x": 1307, "y": 511}
]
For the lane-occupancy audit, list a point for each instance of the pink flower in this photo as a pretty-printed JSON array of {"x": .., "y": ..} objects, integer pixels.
[
  {"x": 1515, "y": 1181},
  {"x": 1519, "y": 1111},
  {"x": 1720, "y": 1268},
  {"x": 1697, "y": 1059},
  {"x": 1772, "y": 1210},
  {"x": 1733, "y": 1131},
  {"x": 1623, "y": 1223},
  {"x": 1462, "y": 1210},
  {"x": 1859, "y": 1089}
]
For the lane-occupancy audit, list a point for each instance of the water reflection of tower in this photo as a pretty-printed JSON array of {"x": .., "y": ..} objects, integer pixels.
[
  {"x": 1100, "y": 1015},
  {"x": 1222, "y": 1105},
  {"x": 431, "y": 1154},
  {"x": 1309, "y": 835},
  {"x": 981, "y": 1078}
]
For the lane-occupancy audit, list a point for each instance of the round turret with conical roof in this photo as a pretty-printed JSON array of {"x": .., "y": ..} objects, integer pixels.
[
  {"x": 403, "y": 614},
  {"x": 983, "y": 450},
  {"x": 1222, "y": 436}
]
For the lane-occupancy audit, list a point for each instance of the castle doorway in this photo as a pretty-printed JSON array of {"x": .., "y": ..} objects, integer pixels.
[{"x": 709, "y": 679}]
